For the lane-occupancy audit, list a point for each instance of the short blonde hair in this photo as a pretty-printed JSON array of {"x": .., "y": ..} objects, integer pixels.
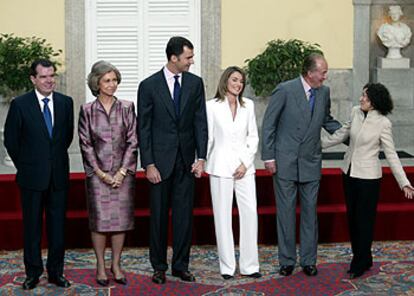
[{"x": 98, "y": 70}]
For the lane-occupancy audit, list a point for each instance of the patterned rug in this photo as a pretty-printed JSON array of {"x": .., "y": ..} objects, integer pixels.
[{"x": 392, "y": 274}]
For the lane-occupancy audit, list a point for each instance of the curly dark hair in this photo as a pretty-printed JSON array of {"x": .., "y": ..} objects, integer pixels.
[{"x": 380, "y": 97}]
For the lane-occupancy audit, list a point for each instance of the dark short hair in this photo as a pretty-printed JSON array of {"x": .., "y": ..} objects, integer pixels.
[
  {"x": 175, "y": 46},
  {"x": 309, "y": 62},
  {"x": 43, "y": 62},
  {"x": 99, "y": 69},
  {"x": 380, "y": 97},
  {"x": 222, "y": 86}
]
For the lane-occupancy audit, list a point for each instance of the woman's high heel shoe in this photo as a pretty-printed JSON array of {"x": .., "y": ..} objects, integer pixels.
[
  {"x": 121, "y": 281},
  {"x": 102, "y": 282}
]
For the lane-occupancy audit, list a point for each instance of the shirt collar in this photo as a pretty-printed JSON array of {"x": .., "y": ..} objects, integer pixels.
[
  {"x": 305, "y": 85},
  {"x": 170, "y": 75},
  {"x": 40, "y": 97}
]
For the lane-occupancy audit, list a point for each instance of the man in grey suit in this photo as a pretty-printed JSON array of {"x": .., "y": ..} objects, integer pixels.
[{"x": 291, "y": 150}]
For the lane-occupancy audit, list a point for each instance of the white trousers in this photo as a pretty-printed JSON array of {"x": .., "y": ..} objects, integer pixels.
[{"x": 222, "y": 198}]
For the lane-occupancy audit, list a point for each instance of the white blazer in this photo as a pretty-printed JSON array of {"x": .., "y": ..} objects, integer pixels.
[
  {"x": 231, "y": 143},
  {"x": 367, "y": 135}
]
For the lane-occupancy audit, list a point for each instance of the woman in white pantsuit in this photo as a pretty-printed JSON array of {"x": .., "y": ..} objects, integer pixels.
[{"x": 232, "y": 145}]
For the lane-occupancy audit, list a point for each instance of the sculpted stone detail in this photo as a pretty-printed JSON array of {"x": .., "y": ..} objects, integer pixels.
[{"x": 394, "y": 35}]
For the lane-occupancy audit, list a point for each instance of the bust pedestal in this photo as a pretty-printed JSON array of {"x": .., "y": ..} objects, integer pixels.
[
  {"x": 399, "y": 83},
  {"x": 386, "y": 63}
]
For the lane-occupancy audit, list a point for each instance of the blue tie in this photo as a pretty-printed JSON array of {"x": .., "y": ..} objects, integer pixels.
[
  {"x": 176, "y": 95},
  {"x": 312, "y": 99},
  {"x": 47, "y": 116}
]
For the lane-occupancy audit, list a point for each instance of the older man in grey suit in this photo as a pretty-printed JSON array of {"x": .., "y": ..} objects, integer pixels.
[{"x": 297, "y": 111}]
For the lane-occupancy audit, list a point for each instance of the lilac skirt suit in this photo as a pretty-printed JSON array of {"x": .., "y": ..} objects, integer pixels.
[{"x": 109, "y": 142}]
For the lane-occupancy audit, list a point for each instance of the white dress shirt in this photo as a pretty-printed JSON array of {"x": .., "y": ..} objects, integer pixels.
[
  {"x": 40, "y": 97},
  {"x": 306, "y": 87},
  {"x": 169, "y": 77}
]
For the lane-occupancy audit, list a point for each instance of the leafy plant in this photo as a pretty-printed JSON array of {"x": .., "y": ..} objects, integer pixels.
[
  {"x": 16, "y": 56},
  {"x": 281, "y": 60}
]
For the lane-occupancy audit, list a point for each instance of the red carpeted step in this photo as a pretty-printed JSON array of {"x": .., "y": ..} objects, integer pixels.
[{"x": 394, "y": 217}]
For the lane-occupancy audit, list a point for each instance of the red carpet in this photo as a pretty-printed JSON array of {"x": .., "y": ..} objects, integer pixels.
[{"x": 392, "y": 274}]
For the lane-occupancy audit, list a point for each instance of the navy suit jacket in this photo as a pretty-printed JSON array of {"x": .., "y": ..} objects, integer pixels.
[
  {"x": 161, "y": 134},
  {"x": 39, "y": 159}
]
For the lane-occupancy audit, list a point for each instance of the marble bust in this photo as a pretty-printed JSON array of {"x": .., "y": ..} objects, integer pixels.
[{"x": 394, "y": 35}]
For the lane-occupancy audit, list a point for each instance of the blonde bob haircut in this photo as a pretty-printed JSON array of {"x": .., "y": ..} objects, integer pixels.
[
  {"x": 222, "y": 86},
  {"x": 98, "y": 70}
]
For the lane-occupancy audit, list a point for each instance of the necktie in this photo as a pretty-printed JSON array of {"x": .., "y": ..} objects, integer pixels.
[
  {"x": 47, "y": 115},
  {"x": 176, "y": 95},
  {"x": 312, "y": 99}
]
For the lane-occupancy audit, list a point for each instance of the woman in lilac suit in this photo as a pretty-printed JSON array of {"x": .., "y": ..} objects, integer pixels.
[{"x": 108, "y": 142}]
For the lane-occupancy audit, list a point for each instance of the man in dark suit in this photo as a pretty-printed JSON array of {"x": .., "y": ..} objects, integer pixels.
[
  {"x": 37, "y": 135},
  {"x": 297, "y": 111},
  {"x": 172, "y": 130}
]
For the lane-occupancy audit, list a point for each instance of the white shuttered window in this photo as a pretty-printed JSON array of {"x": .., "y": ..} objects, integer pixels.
[{"x": 132, "y": 35}]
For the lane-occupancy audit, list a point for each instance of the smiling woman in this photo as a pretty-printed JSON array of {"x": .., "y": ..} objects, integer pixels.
[
  {"x": 368, "y": 130},
  {"x": 108, "y": 142},
  {"x": 232, "y": 145}
]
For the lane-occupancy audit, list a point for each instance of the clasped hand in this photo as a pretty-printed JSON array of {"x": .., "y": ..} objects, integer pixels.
[
  {"x": 115, "y": 181},
  {"x": 198, "y": 168},
  {"x": 240, "y": 172}
]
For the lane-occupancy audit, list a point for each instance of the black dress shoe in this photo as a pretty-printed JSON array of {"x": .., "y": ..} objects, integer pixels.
[
  {"x": 254, "y": 275},
  {"x": 185, "y": 276},
  {"x": 310, "y": 270},
  {"x": 368, "y": 267},
  {"x": 30, "y": 283},
  {"x": 355, "y": 274},
  {"x": 158, "y": 277},
  {"x": 102, "y": 282},
  {"x": 286, "y": 270},
  {"x": 60, "y": 281},
  {"x": 227, "y": 276}
]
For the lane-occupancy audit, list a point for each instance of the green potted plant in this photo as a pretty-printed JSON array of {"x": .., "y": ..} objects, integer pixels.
[
  {"x": 16, "y": 56},
  {"x": 280, "y": 61}
]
